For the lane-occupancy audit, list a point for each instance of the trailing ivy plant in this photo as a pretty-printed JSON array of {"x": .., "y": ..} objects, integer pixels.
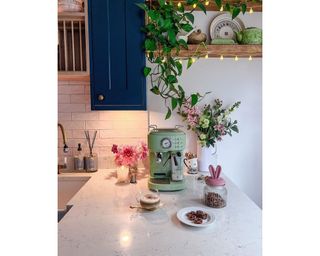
[{"x": 165, "y": 20}]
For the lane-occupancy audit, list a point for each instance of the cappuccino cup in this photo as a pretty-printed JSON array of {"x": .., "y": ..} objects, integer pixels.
[{"x": 148, "y": 200}]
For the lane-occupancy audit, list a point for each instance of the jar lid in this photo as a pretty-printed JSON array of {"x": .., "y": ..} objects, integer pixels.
[{"x": 215, "y": 182}]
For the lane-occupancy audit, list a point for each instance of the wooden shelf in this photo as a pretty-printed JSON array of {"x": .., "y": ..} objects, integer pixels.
[
  {"x": 73, "y": 76},
  {"x": 227, "y": 51},
  {"x": 257, "y": 7}
]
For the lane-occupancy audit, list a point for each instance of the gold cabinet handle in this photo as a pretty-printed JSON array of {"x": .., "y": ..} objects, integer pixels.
[{"x": 100, "y": 97}]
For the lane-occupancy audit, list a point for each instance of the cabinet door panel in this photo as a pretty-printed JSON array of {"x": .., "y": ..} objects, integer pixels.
[{"x": 116, "y": 56}]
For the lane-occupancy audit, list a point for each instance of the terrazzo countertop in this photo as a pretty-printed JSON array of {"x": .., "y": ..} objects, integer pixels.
[{"x": 100, "y": 223}]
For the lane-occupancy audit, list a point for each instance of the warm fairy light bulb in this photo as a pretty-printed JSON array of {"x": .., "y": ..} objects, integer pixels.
[
  {"x": 250, "y": 58},
  {"x": 194, "y": 5},
  {"x": 206, "y": 3},
  {"x": 207, "y": 56},
  {"x": 221, "y": 57},
  {"x": 221, "y": 9},
  {"x": 179, "y": 4},
  {"x": 251, "y": 10},
  {"x": 180, "y": 61},
  {"x": 193, "y": 60},
  {"x": 236, "y": 58}
]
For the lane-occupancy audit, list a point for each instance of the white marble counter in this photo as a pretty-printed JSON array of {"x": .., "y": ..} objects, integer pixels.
[{"x": 101, "y": 223}]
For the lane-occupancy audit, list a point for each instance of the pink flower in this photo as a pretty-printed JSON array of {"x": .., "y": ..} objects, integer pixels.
[
  {"x": 114, "y": 149},
  {"x": 129, "y": 155},
  {"x": 219, "y": 127},
  {"x": 192, "y": 114}
]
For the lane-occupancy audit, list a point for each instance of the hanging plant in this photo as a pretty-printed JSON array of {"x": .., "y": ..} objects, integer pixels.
[{"x": 165, "y": 20}]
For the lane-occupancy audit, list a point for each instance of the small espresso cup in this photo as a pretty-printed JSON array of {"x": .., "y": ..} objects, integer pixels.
[{"x": 191, "y": 164}]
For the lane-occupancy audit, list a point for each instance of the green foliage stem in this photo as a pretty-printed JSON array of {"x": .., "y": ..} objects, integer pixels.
[{"x": 165, "y": 20}]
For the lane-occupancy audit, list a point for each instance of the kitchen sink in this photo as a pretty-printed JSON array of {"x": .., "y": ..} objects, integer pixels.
[{"x": 68, "y": 186}]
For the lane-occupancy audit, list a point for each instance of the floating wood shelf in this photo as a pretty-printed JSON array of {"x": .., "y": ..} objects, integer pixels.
[
  {"x": 71, "y": 15},
  {"x": 227, "y": 51},
  {"x": 256, "y": 6}
]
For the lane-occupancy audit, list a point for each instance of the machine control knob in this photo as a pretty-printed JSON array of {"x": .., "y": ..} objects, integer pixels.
[
  {"x": 178, "y": 154},
  {"x": 159, "y": 158}
]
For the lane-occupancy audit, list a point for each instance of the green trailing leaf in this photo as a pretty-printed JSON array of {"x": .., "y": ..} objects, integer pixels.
[
  {"x": 162, "y": 2},
  {"x": 183, "y": 43},
  {"x": 187, "y": 27},
  {"x": 150, "y": 45},
  {"x": 235, "y": 12},
  {"x": 235, "y": 128},
  {"x": 172, "y": 36},
  {"x": 168, "y": 115},
  {"x": 146, "y": 71},
  {"x": 190, "y": 17},
  {"x": 202, "y": 7},
  {"x": 155, "y": 90},
  {"x": 179, "y": 67},
  {"x": 227, "y": 7},
  {"x": 218, "y": 3},
  {"x": 243, "y": 8},
  {"x": 142, "y": 6},
  {"x": 167, "y": 24},
  {"x": 171, "y": 79},
  {"x": 190, "y": 62},
  {"x": 154, "y": 15},
  {"x": 194, "y": 99},
  {"x": 174, "y": 103}
]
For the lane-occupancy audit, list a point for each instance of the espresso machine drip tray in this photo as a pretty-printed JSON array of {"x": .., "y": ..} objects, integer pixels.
[{"x": 160, "y": 181}]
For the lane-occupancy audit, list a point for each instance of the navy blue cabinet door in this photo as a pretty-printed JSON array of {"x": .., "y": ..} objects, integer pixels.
[{"x": 116, "y": 56}]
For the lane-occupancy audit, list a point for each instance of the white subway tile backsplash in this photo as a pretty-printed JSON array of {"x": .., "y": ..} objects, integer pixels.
[
  {"x": 105, "y": 134},
  {"x": 80, "y": 99},
  {"x": 79, "y": 134},
  {"x": 69, "y": 108},
  {"x": 98, "y": 125},
  {"x": 87, "y": 90},
  {"x": 64, "y": 116},
  {"x": 64, "y": 98},
  {"x": 85, "y": 116},
  {"x": 124, "y": 115},
  {"x": 73, "y": 124},
  {"x": 114, "y": 127},
  {"x": 71, "y": 89}
]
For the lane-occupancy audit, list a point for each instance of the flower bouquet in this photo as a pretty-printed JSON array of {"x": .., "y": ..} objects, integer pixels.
[
  {"x": 210, "y": 124},
  {"x": 127, "y": 157}
]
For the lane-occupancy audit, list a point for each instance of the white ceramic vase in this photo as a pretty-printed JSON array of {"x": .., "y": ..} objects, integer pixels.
[{"x": 206, "y": 156}]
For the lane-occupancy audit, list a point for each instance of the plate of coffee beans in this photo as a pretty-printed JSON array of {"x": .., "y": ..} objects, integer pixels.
[{"x": 195, "y": 216}]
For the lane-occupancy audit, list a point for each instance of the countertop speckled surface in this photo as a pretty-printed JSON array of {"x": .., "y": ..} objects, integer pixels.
[{"x": 100, "y": 223}]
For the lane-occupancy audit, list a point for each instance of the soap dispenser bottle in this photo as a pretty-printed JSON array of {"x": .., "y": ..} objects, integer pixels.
[{"x": 78, "y": 159}]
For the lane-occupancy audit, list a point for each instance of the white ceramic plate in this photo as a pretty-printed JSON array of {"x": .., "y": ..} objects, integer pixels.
[
  {"x": 182, "y": 216},
  {"x": 222, "y": 26}
]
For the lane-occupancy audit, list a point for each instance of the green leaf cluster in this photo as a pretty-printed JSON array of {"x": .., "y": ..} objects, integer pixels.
[{"x": 165, "y": 20}]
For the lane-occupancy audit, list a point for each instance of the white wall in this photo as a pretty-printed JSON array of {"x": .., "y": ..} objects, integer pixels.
[{"x": 240, "y": 155}]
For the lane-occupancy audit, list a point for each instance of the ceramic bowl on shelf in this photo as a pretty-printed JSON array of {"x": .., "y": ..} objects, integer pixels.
[{"x": 70, "y": 5}]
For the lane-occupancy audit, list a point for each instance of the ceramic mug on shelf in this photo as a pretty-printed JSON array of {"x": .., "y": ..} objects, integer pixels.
[{"x": 191, "y": 164}]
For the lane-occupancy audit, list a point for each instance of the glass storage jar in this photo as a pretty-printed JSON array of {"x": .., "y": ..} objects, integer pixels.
[{"x": 215, "y": 193}]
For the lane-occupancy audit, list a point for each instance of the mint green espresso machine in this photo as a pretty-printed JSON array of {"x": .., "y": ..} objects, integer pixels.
[{"x": 166, "y": 148}]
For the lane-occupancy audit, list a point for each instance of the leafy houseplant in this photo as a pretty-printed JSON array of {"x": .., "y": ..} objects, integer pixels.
[{"x": 165, "y": 20}]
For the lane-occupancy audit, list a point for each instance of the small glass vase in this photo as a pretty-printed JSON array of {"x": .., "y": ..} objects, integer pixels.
[
  {"x": 133, "y": 171},
  {"x": 206, "y": 156},
  {"x": 122, "y": 174}
]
